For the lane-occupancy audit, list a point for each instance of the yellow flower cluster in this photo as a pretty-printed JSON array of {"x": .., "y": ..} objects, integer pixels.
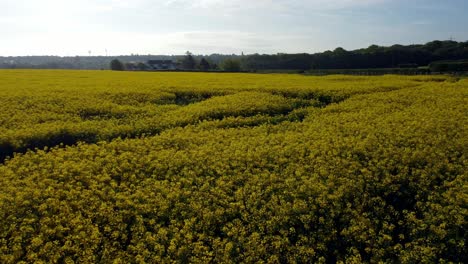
[{"x": 229, "y": 168}]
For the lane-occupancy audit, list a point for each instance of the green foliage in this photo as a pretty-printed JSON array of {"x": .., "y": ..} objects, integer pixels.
[
  {"x": 373, "y": 57},
  {"x": 449, "y": 66},
  {"x": 116, "y": 65},
  {"x": 189, "y": 62},
  {"x": 243, "y": 169},
  {"x": 204, "y": 65},
  {"x": 231, "y": 65}
]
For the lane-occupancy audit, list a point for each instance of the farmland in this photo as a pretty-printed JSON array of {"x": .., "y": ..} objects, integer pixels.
[{"x": 122, "y": 167}]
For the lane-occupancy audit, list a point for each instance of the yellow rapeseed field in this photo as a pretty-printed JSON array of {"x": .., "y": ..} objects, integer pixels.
[{"x": 139, "y": 167}]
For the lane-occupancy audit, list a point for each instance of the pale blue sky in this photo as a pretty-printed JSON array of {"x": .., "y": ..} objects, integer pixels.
[{"x": 74, "y": 27}]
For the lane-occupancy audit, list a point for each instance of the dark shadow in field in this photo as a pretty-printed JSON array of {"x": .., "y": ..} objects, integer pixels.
[
  {"x": 189, "y": 98},
  {"x": 64, "y": 138},
  {"x": 180, "y": 98},
  {"x": 99, "y": 114}
]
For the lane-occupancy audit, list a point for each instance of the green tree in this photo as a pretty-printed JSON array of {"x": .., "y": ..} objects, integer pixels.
[
  {"x": 116, "y": 65},
  {"x": 204, "y": 65},
  {"x": 231, "y": 65},
  {"x": 188, "y": 62},
  {"x": 142, "y": 67}
]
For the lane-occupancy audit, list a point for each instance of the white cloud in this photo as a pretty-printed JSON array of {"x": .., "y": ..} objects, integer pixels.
[
  {"x": 142, "y": 26},
  {"x": 271, "y": 4},
  {"x": 69, "y": 27},
  {"x": 206, "y": 42},
  {"x": 198, "y": 42}
]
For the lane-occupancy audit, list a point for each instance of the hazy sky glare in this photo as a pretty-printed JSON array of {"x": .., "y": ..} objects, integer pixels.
[{"x": 74, "y": 27}]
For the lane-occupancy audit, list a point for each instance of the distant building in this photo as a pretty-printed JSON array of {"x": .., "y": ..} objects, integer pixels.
[{"x": 162, "y": 65}]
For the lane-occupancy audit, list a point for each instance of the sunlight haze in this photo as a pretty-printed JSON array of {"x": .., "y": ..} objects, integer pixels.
[{"x": 84, "y": 27}]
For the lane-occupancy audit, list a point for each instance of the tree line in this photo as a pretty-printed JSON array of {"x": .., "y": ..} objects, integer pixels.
[
  {"x": 372, "y": 57},
  {"x": 396, "y": 56},
  {"x": 435, "y": 56},
  {"x": 189, "y": 62}
]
